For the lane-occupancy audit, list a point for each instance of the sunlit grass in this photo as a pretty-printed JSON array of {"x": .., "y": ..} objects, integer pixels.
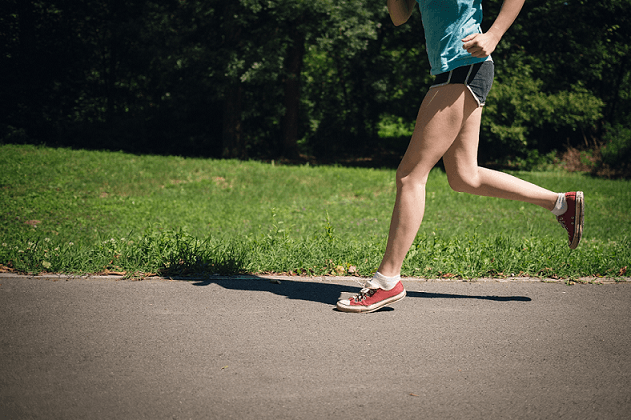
[{"x": 78, "y": 211}]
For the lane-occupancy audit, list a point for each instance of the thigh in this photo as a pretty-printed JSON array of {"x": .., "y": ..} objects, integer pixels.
[
  {"x": 440, "y": 120},
  {"x": 461, "y": 158}
]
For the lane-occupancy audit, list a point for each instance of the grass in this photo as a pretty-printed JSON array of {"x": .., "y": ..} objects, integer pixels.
[{"x": 76, "y": 211}]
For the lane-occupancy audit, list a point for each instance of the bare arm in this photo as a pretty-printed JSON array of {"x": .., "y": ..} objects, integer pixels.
[
  {"x": 482, "y": 45},
  {"x": 400, "y": 10}
]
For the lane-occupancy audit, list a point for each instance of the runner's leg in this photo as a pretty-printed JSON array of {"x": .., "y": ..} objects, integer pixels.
[
  {"x": 464, "y": 174},
  {"x": 441, "y": 116}
]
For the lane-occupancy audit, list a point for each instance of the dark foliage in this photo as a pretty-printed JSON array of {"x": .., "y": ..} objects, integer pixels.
[{"x": 254, "y": 79}]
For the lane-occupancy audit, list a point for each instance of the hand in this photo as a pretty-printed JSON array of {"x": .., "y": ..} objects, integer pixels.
[{"x": 480, "y": 45}]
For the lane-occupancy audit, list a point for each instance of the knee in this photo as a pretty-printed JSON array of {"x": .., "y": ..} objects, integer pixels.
[
  {"x": 461, "y": 182},
  {"x": 407, "y": 179}
]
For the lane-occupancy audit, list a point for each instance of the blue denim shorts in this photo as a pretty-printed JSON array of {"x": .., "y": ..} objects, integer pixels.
[{"x": 477, "y": 77}]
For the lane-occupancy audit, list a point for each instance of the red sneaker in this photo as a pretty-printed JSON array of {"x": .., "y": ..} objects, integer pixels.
[
  {"x": 369, "y": 300},
  {"x": 572, "y": 219}
]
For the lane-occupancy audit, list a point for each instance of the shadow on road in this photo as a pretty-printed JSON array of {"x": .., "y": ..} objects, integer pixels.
[{"x": 325, "y": 292}]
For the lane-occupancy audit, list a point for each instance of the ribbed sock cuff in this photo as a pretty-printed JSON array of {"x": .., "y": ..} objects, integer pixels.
[
  {"x": 379, "y": 281},
  {"x": 561, "y": 205}
]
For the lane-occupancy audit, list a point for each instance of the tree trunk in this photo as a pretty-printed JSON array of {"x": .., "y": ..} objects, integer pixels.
[
  {"x": 291, "y": 118},
  {"x": 233, "y": 143}
]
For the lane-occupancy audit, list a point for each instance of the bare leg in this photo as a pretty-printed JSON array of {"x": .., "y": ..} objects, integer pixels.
[
  {"x": 448, "y": 126},
  {"x": 438, "y": 123},
  {"x": 464, "y": 174}
]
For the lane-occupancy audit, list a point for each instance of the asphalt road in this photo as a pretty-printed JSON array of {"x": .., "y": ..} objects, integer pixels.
[{"x": 252, "y": 349}]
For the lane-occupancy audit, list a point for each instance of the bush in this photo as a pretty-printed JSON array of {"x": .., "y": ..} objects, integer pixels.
[
  {"x": 522, "y": 114},
  {"x": 580, "y": 160},
  {"x": 616, "y": 152}
]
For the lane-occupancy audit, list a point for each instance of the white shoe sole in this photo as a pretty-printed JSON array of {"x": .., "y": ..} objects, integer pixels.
[{"x": 578, "y": 219}]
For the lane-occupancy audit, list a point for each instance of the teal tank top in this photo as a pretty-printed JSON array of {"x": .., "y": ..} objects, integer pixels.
[{"x": 446, "y": 23}]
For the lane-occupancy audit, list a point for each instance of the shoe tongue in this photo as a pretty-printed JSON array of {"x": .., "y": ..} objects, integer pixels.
[{"x": 370, "y": 285}]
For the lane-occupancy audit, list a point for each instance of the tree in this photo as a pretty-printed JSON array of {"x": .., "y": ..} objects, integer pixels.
[
  {"x": 255, "y": 78},
  {"x": 338, "y": 27}
]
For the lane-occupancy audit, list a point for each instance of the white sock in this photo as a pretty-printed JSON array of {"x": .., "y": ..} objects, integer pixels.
[
  {"x": 379, "y": 281},
  {"x": 561, "y": 205}
]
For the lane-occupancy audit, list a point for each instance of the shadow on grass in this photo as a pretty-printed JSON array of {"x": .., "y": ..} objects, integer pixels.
[{"x": 324, "y": 292}]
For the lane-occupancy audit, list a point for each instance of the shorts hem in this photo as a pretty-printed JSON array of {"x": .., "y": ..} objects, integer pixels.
[{"x": 479, "y": 84}]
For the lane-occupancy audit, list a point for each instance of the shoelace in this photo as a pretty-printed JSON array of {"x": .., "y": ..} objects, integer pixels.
[
  {"x": 363, "y": 294},
  {"x": 561, "y": 220}
]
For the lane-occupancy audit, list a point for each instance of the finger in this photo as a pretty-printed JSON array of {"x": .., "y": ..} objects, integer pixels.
[
  {"x": 469, "y": 37},
  {"x": 468, "y": 45},
  {"x": 476, "y": 52},
  {"x": 471, "y": 47}
]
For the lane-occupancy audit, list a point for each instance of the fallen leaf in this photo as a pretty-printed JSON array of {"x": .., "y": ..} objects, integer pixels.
[
  {"x": 5, "y": 269},
  {"x": 108, "y": 272}
]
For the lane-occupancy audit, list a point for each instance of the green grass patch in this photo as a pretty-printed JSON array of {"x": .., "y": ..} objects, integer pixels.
[{"x": 75, "y": 211}]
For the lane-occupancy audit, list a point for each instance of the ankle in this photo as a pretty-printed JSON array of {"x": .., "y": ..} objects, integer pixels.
[
  {"x": 383, "y": 282},
  {"x": 560, "y": 206}
]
